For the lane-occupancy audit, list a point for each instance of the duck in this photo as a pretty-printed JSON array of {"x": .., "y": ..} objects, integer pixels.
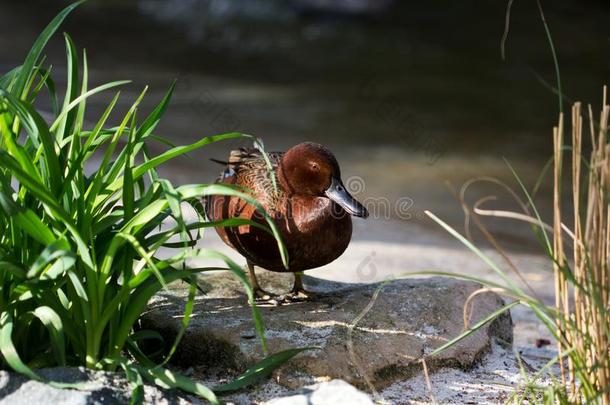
[{"x": 304, "y": 196}]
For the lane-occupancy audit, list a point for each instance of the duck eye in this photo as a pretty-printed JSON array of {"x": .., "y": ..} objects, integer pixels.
[{"x": 314, "y": 166}]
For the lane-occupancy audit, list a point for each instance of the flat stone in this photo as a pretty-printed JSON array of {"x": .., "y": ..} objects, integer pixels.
[
  {"x": 369, "y": 340},
  {"x": 98, "y": 387},
  {"x": 326, "y": 393}
]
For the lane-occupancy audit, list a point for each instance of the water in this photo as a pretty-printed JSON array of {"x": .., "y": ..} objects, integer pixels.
[{"x": 408, "y": 96}]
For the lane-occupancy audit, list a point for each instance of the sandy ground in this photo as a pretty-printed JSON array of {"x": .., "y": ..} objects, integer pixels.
[
  {"x": 494, "y": 381},
  {"x": 497, "y": 379}
]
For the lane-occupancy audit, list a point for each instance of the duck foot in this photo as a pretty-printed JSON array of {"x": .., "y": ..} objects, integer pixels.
[
  {"x": 298, "y": 292},
  {"x": 266, "y": 299},
  {"x": 262, "y": 295},
  {"x": 299, "y": 296}
]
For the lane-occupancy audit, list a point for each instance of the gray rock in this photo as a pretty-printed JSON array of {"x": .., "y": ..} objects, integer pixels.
[
  {"x": 366, "y": 339},
  {"x": 327, "y": 393},
  {"x": 98, "y": 388}
]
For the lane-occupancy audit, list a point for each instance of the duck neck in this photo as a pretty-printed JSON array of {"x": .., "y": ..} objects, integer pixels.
[{"x": 284, "y": 183}]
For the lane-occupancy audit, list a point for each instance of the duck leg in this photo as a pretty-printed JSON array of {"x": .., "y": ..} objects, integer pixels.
[
  {"x": 259, "y": 293},
  {"x": 298, "y": 291}
]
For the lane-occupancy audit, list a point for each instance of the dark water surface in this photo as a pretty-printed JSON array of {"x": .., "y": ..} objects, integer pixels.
[{"x": 407, "y": 94}]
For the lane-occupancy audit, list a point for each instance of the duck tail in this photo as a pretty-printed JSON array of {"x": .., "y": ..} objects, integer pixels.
[{"x": 220, "y": 162}]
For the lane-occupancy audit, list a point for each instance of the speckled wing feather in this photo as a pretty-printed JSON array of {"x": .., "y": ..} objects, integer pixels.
[{"x": 251, "y": 171}]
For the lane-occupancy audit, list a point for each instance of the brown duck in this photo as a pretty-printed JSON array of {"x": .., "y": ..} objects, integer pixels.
[{"x": 307, "y": 201}]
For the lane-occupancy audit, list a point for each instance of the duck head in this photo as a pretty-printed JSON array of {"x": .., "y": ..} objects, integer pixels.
[{"x": 311, "y": 169}]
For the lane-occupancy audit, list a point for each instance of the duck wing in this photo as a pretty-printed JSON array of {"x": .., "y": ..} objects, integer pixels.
[
  {"x": 248, "y": 168},
  {"x": 252, "y": 159}
]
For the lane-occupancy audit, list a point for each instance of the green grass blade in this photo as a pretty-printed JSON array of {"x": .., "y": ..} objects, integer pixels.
[
  {"x": 159, "y": 239},
  {"x": 74, "y": 103},
  {"x": 65, "y": 119},
  {"x": 478, "y": 252},
  {"x": 128, "y": 185},
  {"x": 52, "y": 252},
  {"x": 36, "y": 50},
  {"x": 173, "y": 153},
  {"x": 98, "y": 183},
  {"x": 52, "y": 322},
  {"x": 147, "y": 256},
  {"x": 474, "y": 327},
  {"x": 143, "y": 290},
  {"x": 10, "y": 268},
  {"x": 150, "y": 123},
  {"x": 170, "y": 379},
  {"x": 457, "y": 276},
  {"x": 8, "y": 350},
  {"x": 133, "y": 375},
  {"x": 27, "y": 220},
  {"x": 189, "y": 192},
  {"x": 261, "y": 370},
  {"x": 554, "y": 53},
  {"x": 258, "y": 144},
  {"x": 80, "y": 112},
  {"x": 76, "y": 165},
  {"x": 186, "y": 317},
  {"x": 39, "y": 133},
  {"x": 548, "y": 245},
  {"x": 10, "y": 144},
  {"x": 9, "y": 78}
]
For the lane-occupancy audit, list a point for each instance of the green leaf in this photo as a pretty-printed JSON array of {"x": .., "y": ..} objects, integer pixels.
[
  {"x": 76, "y": 165},
  {"x": 478, "y": 252},
  {"x": 474, "y": 327},
  {"x": 30, "y": 60},
  {"x": 63, "y": 121},
  {"x": 261, "y": 369},
  {"x": 170, "y": 379},
  {"x": 37, "y": 129},
  {"x": 92, "y": 195},
  {"x": 9, "y": 77},
  {"x": 189, "y": 192},
  {"x": 27, "y": 220},
  {"x": 13, "y": 269},
  {"x": 40, "y": 191},
  {"x": 52, "y": 322},
  {"x": 52, "y": 253},
  {"x": 188, "y": 310},
  {"x": 8, "y": 350},
  {"x": 74, "y": 103},
  {"x": 140, "y": 170},
  {"x": 150, "y": 123}
]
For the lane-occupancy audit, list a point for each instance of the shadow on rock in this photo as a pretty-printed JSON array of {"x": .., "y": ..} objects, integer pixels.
[{"x": 367, "y": 339}]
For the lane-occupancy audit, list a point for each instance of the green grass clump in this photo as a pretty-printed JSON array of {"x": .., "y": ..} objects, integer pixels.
[{"x": 79, "y": 248}]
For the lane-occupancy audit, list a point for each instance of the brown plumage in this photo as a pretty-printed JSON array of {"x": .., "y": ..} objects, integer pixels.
[{"x": 308, "y": 203}]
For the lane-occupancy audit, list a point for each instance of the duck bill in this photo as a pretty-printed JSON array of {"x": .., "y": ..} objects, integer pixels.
[{"x": 339, "y": 194}]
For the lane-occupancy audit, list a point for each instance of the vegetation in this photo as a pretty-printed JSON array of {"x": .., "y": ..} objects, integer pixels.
[
  {"x": 81, "y": 215},
  {"x": 579, "y": 249},
  {"x": 580, "y": 253}
]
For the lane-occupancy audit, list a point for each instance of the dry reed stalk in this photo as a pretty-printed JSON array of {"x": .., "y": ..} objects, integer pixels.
[
  {"x": 559, "y": 259},
  {"x": 584, "y": 327},
  {"x": 578, "y": 248}
]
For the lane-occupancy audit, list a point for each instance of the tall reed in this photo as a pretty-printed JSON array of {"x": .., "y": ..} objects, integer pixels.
[{"x": 582, "y": 293}]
